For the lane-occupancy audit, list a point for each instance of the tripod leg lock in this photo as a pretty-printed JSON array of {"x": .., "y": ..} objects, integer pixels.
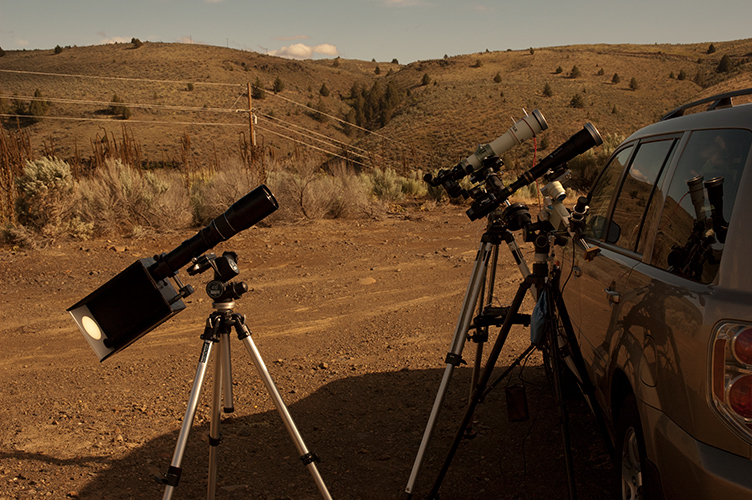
[
  {"x": 172, "y": 477},
  {"x": 309, "y": 458},
  {"x": 454, "y": 359},
  {"x": 215, "y": 441}
]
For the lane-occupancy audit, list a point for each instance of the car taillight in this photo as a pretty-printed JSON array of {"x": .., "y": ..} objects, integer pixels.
[
  {"x": 743, "y": 346},
  {"x": 731, "y": 375},
  {"x": 740, "y": 396}
]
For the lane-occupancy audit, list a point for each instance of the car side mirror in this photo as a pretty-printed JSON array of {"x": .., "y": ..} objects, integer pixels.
[{"x": 614, "y": 231}]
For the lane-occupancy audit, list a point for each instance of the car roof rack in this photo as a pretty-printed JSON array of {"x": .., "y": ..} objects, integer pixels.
[{"x": 718, "y": 101}]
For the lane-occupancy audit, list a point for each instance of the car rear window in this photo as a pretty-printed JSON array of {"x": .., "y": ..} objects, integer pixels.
[{"x": 693, "y": 226}]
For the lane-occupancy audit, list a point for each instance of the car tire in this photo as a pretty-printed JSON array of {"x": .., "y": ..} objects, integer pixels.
[{"x": 630, "y": 451}]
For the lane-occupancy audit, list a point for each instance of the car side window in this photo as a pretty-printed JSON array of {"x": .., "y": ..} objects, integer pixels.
[
  {"x": 602, "y": 192},
  {"x": 636, "y": 192},
  {"x": 699, "y": 200}
]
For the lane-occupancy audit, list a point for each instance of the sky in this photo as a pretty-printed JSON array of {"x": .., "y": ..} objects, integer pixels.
[{"x": 406, "y": 30}]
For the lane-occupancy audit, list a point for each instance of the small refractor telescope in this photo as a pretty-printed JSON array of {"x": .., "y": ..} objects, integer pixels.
[{"x": 141, "y": 297}]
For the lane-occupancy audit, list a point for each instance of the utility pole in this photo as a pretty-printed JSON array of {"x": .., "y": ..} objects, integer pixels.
[{"x": 250, "y": 116}]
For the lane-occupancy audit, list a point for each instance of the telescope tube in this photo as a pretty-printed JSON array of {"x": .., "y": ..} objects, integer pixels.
[
  {"x": 521, "y": 131},
  {"x": 244, "y": 213},
  {"x": 580, "y": 142}
]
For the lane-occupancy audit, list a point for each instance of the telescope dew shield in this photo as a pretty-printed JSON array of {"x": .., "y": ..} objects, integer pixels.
[
  {"x": 521, "y": 131},
  {"x": 580, "y": 142},
  {"x": 244, "y": 213},
  {"x": 125, "y": 309}
]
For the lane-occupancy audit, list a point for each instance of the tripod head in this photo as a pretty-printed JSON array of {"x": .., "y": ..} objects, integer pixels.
[{"x": 220, "y": 289}]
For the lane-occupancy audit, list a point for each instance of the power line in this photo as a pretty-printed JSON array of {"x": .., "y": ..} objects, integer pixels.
[
  {"x": 157, "y": 122},
  {"x": 131, "y": 79}
]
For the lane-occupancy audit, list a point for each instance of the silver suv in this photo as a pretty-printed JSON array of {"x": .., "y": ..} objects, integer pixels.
[{"x": 663, "y": 315}]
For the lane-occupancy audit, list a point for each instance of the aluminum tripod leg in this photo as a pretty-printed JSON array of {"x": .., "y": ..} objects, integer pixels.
[
  {"x": 222, "y": 383},
  {"x": 484, "y": 378},
  {"x": 172, "y": 477},
  {"x": 454, "y": 357},
  {"x": 308, "y": 458}
]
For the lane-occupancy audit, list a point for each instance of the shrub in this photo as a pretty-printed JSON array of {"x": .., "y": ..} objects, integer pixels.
[
  {"x": 136, "y": 43},
  {"x": 304, "y": 190},
  {"x": 478, "y": 63},
  {"x": 190, "y": 87},
  {"x": 58, "y": 49},
  {"x": 257, "y": 90},
  {"x": 384, "y": 184},
  {"x": 547, "y": 90},
  {"x": 601, "y": 72},
  {"x": 395, "y": 61},
  {"x": 377, "y": 70},
  {"x": 559, "y": 70},
  {"x": 121, "y": 200},
  {"x": 724, "y": 66},
  {"x": 575, "y": 72},
  {"x": 578, "y": 101},
  {"x": 682, "y": 75},
  {"x": 37, "y": 107},
  {"x": 117, "y": 108},
  {"x": 2, "y": 52},
  {"x": 711, "y": 49},
  {"x": 278, "y": 85},
  {"x": 497, "y": 78},
  {"x": 211, "y": 194},
  {"x": 616, "y": 78},
  {"x": 324, "y": 90},
  {"x": 335, "y": 63},
  {"x": 46, "y": 196},
  {"x": 426, "y": 79},
  {"x": 633, "y": 84}
]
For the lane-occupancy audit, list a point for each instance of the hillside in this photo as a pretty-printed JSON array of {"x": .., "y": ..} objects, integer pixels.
[{"x": 181, "y": 97}]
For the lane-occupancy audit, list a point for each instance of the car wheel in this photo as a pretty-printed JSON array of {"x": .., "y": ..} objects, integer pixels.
[{"x": 630, "y": 450}]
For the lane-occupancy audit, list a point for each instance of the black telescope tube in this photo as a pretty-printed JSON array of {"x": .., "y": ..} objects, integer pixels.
[
  {"x": 580, "y": 142},
  {"x": 244, "y": 213}
]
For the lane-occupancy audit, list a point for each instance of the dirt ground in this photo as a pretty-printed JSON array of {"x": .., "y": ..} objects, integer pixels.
[{"x": 353, "y": 320}]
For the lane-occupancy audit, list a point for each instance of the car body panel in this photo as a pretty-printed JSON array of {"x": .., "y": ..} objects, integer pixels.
[{"x": 656, "y": 340}]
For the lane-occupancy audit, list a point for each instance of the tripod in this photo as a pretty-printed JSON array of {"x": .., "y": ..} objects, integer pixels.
[
  {"x": 541, "y": 282},
  {"x": 479, "y": 294},
  {"x": 217, "y": 331}
]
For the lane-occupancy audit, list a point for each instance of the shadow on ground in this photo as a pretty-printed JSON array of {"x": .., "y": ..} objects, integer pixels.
[{"x": 372, "y": 441}]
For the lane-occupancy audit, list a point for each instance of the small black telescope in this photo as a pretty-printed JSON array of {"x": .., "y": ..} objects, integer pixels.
[{"x": 141, "y": 297}]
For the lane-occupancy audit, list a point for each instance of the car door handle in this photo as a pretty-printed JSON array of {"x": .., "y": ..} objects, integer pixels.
[{"x": 612, "y": 295}]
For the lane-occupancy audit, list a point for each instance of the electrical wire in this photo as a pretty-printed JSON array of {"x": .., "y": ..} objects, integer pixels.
[{"x": 184, "y": 82}]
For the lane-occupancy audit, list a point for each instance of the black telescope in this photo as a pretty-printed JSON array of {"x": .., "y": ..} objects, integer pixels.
[
  {"x": 244, "y": 213},
  {"x": 580, "y": 142},
  {"x": 141, "y": 297}
]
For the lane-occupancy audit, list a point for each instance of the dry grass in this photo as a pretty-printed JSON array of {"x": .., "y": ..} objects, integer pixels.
[{"x": 183, "y": 87}]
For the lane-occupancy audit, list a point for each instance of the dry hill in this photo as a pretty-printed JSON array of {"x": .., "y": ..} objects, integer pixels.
[{"x": 182, "y": 97}]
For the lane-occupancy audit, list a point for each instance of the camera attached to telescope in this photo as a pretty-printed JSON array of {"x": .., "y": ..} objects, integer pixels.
[{"x": 142, "y": 297}]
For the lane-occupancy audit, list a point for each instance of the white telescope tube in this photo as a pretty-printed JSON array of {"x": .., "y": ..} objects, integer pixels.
[{"x": 521, "y": 131}]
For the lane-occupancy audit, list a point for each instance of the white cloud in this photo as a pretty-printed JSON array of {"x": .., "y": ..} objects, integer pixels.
[
  {"x": 115, "y": 39},
  {"x": 185, "y": 39},
  {"x": 303, "y": 51}
]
